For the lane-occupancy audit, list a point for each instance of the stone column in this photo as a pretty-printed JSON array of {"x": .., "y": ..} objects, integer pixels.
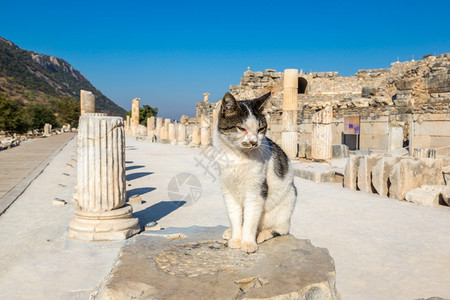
[
  {"x": 195, "y": 137},
  {"x": 322, "y": 136},
  {"x": 181, "y": 134},
  {"x": 165, "y": 129},
  {"x": 159, "y": 126},
  {"x": 87, "y": 102},
  {"x": 150, "y": 126},
  {"x": 172, "y": 134},
  {"x": 289, "y": 117},
  {"x": 134, "y": 116},
  {"x": 205, "y": 97},
  {"x": 101, "y": 191},
  {"x": 128, "y": 125},
  {"x": 205, "y": 133}
]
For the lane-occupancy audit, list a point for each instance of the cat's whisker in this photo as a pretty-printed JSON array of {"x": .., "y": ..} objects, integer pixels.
[{"x": 265, "y": 148}]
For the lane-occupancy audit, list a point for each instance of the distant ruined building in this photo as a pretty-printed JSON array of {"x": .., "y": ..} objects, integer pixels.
[{"x": 379, "y": 109}]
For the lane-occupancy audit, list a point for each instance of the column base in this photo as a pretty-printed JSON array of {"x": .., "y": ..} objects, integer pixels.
[{"x": 114, "y": 225}]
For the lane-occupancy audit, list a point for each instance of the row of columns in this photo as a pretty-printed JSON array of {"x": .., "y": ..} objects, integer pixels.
[{"x": 177, "y": 133}]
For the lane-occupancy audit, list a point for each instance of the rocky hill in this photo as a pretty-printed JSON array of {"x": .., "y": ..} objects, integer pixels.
[{"x": 31, "y": 77}]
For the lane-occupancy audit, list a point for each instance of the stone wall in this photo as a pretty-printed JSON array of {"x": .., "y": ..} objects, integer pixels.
[{"x": 253, "y": 83}]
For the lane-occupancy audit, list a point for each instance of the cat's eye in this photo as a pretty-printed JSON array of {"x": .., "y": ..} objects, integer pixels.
[
  {"x": 261, "y": 130},
  {"x": 241, "y": 129}
]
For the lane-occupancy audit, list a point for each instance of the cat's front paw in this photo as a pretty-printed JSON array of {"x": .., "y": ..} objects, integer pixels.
[
  {"x": 234, "y": 243},
  {"x": 227, "y": 234},
  {"x": 264, "y": 235},
  {"x": 249, "y": 247}
]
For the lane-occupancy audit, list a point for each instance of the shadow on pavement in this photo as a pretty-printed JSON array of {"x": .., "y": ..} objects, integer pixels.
[
  {"x": 157, "y": 211},
  {"x": 137, "y": 175},
  {"x": 140, "y": 191},
  {"x": 129, "y": 168}
]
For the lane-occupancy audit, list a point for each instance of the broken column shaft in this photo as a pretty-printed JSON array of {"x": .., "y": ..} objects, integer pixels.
[{"x": 101, "y": 192}]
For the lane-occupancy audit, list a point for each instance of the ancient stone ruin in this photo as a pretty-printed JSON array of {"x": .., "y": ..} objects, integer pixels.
[
  {"x": 398, "y": 113},
  {"x": 101, "y": 190}
]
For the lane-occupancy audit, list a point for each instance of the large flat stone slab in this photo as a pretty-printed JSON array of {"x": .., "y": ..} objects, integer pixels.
[
  {"x": 314, "y": 171},
  {"x": 194, "y": 263}
]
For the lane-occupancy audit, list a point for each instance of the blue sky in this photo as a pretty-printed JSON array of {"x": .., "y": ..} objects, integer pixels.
[{"x": 168, "y": 53}]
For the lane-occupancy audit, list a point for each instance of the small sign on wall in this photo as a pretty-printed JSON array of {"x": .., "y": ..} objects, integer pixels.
[{"x": 351, "y": 125}]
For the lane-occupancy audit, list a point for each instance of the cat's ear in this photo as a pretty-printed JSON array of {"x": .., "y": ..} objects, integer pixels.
[
  {"x": 259, "y": 103},
  {"x": 229, "y": 105}
]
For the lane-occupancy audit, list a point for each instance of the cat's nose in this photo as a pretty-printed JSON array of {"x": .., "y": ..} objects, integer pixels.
[{"x": 254, "y": 143}]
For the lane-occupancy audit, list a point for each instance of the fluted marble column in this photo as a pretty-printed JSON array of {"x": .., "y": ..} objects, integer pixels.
[
  {"x": 289, "y": 138},
  {"x": 101, "y": 191},
  {"x": 87, "y": 102}
]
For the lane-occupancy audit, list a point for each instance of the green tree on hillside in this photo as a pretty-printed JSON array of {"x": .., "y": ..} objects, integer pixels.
[
  {"x": 13, "y": 117},
  {"x": 39, "y": 114},
  {"x": 67, "y": 111}
]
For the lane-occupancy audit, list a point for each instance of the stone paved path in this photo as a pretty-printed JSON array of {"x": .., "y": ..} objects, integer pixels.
[
  {"x": 20, "y": 165},
  {"x": 382, "y": 248}
]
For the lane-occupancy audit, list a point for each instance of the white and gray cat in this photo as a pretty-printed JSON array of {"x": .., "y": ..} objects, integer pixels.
[{"x": 256, "y": 176}]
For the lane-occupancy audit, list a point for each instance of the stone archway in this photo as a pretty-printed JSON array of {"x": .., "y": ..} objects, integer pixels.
[{"x": 302, "y": 84}]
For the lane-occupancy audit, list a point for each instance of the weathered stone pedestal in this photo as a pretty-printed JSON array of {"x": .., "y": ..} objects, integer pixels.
[
  {"x": 194, "y": 263},
  {"x": 101, "y": 193}
]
